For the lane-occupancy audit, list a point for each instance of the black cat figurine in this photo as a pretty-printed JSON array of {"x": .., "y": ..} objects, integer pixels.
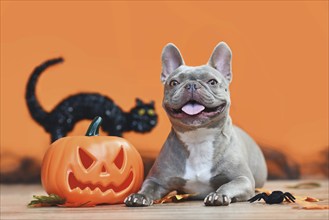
[{"x": 61, "y": 120}]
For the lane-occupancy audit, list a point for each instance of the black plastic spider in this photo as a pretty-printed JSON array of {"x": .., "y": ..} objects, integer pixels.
[{"x": 274, "y": 198}]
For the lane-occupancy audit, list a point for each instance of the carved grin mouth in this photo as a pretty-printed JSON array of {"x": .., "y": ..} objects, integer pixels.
[
  {"x": 193, "y": 108},
  {"x": 74, "y": 183}
]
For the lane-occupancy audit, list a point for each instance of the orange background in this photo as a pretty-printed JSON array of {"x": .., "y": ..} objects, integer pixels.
[{"x": 280, "y": 64}]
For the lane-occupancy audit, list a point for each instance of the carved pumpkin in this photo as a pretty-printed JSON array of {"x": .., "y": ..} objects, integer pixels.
[{"x": 94, "y": 169}]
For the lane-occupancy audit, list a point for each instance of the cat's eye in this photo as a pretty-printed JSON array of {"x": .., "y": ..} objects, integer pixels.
[
  {"x": 141, "y": 112},
  {"x": 150, "y": 112},
  {"x": 212, "y": 82},
  {"x": 173, "y": 83}
]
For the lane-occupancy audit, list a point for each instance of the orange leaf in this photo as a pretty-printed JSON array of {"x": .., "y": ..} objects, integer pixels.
[
  {"x": 167, "y": 198},
  {"x": 308, "y": 185},
  {"x": 173, "y": 197},
  {"x": 315, "y": 207},
  {"x": 310, "y": 206},
  {"x": 311, "y": 199},
  {"x": 307, "y": 199},
  {"x": 307, "y": 203}
]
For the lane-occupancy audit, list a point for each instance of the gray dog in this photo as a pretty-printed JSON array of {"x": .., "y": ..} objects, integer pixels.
[{"x": 204, "y": 153}]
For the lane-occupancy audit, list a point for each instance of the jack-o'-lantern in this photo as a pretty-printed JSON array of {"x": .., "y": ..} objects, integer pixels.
[{"x": 92, "y": 169}]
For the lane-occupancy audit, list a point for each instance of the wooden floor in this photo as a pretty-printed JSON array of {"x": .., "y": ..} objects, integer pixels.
[{"x": 14, "y": 199}]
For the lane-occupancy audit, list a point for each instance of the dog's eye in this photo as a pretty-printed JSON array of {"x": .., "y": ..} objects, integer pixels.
[
  {"x": 173, "y": 83},
  {"x": 212, "y": 82}
]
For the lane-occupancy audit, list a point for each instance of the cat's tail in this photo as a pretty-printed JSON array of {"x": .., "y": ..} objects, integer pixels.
[{"x": 35, "y": 109}]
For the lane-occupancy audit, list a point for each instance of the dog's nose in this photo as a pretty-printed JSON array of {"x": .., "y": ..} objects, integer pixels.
[{"x": 191, "y": 87}]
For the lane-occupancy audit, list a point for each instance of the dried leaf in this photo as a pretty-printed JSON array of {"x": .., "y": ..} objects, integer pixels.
[
  {"x": 182, "y": 196},
  {"x": 315, "y": 207},
  {"x": 311, "y": 199},
  {"x": 308, "y": 185},
  {"x": 307, "y": 203},
  {"x": 55, "y": 200},
  {"x": 173, "y": 197},
  {"x": 179, "y": 197},
  {"x": 167, "y": 198},
  {"x": 46, "y": 201},
  {"x": 302, "y": 204},
  {"x": 307, "y": 199}
]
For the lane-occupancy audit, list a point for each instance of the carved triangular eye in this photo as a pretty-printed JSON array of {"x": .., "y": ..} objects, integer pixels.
[
  {"x": 119, "y": 159},
  {"x": 86, "y": 159}
]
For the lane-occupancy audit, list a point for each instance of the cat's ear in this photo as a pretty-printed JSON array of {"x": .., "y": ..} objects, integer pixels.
[
  {"x": 171, "y": 60},
  {"x": 152, "y": 103},
  {"x": 221, "y": 60},
  {"x": 139, "y": 102}
]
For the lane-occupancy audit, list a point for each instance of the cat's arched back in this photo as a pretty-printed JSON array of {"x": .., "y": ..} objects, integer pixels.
[{"x": 61, "y": 120}]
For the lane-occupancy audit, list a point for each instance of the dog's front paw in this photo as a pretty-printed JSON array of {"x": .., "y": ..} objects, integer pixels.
[
  {"x": 138, "y": 200},
  {"x": 217, "y": 199}
]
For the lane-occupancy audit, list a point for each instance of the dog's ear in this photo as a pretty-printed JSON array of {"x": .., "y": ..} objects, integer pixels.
[
  {"x": 171, "y": 60},
  {"x": 221, "y": 60}
]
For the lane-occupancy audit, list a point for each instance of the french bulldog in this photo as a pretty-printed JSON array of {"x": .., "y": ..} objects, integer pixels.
[{"x": 204, "y": 154}]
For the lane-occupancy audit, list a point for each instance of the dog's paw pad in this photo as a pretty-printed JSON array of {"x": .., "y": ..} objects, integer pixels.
[{"x": 137, "y": 200}]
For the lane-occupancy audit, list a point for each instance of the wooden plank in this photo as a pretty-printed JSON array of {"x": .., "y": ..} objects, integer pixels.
[{"x": 14, "y": 199}]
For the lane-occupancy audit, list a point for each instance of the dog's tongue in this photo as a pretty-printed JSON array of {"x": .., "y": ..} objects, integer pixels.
[{"x": 193, "y": 108}]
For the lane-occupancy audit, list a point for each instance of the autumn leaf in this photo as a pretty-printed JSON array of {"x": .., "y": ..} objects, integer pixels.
[
  {"x": 307, "y": 199},
  {"x": 46, "y": 201},
  {"x": 306, "y": 202},
  {"x": 311, "y": 199},
  {"x": 55, "y": 200},
  {"x": 173, "y": 197},
  {"x": 308, "y": 185},
  {"x": 309, "y": 203},
  {"x": 316, "y": 207}
]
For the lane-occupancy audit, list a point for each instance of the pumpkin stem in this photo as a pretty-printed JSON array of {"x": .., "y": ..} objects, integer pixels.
[{"x": 93, "y": 129}]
